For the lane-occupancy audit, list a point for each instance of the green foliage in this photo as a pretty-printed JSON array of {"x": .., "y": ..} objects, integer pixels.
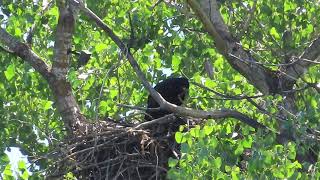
[
  {"x": 214, "y": 154},
  {"x": 168, "y": 39}
]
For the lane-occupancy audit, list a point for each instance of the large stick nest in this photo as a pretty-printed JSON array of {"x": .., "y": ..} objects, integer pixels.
[{"x": 114, "y": 151}]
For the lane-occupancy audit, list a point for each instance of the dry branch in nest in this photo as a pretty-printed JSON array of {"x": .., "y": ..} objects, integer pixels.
[{"x": 113, "y": 150}]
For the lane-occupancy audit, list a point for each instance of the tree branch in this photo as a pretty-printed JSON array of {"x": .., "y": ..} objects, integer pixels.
[
  {"x": 62, "y": 90},
  {"x": 25, "y": 53}
]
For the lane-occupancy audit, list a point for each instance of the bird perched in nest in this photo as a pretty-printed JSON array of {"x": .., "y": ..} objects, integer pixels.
[{"x": 173, "y": 90}]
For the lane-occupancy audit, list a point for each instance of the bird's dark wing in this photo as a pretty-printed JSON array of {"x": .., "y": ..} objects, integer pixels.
[{"x": 172, "y": 90}]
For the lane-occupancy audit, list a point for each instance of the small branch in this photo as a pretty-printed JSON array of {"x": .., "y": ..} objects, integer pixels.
[
  {"x": 248, "y": 20},
  {"x": 137, "y": 107},
  {"x": 260, "y": 63},
  {"x": 162, "y": 120},
  {"x": 231, "y": 97}
]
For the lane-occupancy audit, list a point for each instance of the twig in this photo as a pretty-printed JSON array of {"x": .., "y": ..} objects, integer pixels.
[
  {"x": 137, "y": 107},
  {"x": 162, "y": 120},
  {"x": 260, "y": 63},
  {"x": 248, "y": 20},
  {"x": 235, "y": 97}
]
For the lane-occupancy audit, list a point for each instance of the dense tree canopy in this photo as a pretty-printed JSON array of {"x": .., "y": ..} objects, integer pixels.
[{"x": 76, "y": 76}]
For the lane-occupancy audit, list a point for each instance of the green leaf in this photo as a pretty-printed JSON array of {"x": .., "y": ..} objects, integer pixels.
[
  {"x": 176, "y": 60},
  {"x": 239, "y": 150},
  {"x": 314, "y": 103},
  {"x": 210, "y": 83},
  {"x": 7, "y": 171},
  {"x": 234, "y": 173},
  {"x": 247, "y": 142},
  {"x": 172, "y": 162},
  {"x": 89, "y": 83},
  {"x": 180, "y": 137},
  {"x": 10, "y": 72},
  {"x": 292, "y": 150},
  {"x": 25, "y": 175},
  {"x": 103, "y": 106},
  {"x": 47, "y": 105},
  {"x": 274, "y": 33},
  {"x": 17, "y": 32},
  {"x": 208, "y": 129},
  {"x": 195, "y": 132},
  {"x": 278, "y": 173},
  {"x": 213, "y": 142},
  {"x": 217, "y": 162},
  {"x": 100, "y": 47}
]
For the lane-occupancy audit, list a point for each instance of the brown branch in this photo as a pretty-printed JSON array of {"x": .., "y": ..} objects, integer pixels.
[
  {"x": 6, "y": 50},
  {"x": 220, "y": 42},
  {"x": 163, "y": 120},
  {"x": 25, "y": 53},
  {"x": 62, "y": 89}
]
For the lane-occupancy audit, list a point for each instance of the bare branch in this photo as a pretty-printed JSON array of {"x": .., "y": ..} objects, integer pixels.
[
  {"x": 163, "y": 120},
  {"x": 235, "y": 97},
  {"x": 6, "y": 50},
  {"x": 25, "y": 53},
  {"x": 137, "y": 107}
]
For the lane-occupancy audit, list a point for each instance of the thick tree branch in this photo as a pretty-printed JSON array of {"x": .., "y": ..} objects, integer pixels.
[
  {"x": 158, "y": 98},
  {"x": 62, "y": 90},
  {"x": 25, "y": 53}
]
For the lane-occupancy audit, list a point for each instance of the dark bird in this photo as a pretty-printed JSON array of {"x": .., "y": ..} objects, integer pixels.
[{"x": 173, "y": 90}]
